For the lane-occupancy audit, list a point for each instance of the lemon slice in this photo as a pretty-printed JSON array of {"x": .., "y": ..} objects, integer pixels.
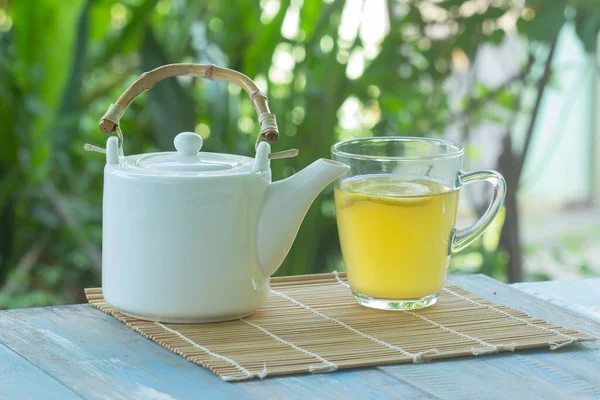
[{"x": 387, "y": 191}]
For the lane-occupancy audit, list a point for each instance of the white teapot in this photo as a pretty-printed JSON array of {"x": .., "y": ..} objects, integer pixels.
[{"x": 191, "y": 236}]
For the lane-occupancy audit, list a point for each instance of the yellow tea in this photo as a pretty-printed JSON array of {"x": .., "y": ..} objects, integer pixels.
[{"x": 394, "y": 234}]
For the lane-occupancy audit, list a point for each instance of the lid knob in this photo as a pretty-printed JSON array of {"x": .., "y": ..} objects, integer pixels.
[{"x": 188, "y": 144}]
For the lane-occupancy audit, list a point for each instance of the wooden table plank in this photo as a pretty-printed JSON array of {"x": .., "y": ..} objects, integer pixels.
[
  {"x": 19, "y": 379},
  {"x": 581, "y": 296},
  {"x": 530, "y": 374},
  {"x": 571, "y": 372},
  {"x": 507, "y": 294},
  {"x": 97, "y": 357},
  {"x": 349, "y": 384}
]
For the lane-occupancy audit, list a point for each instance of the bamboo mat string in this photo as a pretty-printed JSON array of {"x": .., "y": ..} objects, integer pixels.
[
  {"x": 249, "y": 375},
  {"x": 340, "y": 281},
  {"x": 553, "y": 345},
  {"x": 328, "y": 365},
  {"x": 490, "y": 348},
  {"x": 416, "y": 357}
]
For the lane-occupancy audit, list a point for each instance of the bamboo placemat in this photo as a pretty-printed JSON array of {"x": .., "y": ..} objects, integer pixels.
[{"x": 312, "y": 324}]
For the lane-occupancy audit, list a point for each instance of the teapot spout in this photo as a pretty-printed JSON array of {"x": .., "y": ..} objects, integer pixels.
[{"x": 285, "y": 205}]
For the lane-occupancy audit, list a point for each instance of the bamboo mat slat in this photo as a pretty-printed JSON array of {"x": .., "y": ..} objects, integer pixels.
[{"x": 311, "y": 324}]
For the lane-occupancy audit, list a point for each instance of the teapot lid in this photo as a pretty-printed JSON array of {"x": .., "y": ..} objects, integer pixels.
[{"x": 187, "y": 160}]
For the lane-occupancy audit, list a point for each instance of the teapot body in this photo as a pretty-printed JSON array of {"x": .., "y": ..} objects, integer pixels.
[
  {"x": 182, "y": 249},
  {"x": 192, "y": 236}
]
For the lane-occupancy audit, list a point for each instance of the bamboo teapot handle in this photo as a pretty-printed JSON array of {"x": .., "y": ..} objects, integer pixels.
[{"x": 266, "y": 120}]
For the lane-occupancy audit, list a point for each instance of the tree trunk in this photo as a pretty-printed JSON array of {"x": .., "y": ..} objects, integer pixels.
[
  {"x": 511, "y": 167},
  {"x": 510, "y": 237}
]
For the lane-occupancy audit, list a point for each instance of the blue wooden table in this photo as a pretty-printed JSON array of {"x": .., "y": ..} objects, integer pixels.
[{"x": 77, "y": 352}]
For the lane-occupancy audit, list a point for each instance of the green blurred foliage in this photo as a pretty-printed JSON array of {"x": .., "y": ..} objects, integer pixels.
[{"x": 63, "y": 62}]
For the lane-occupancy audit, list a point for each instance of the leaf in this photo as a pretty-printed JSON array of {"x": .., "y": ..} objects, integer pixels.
[
  {"x": 549, "y": 19},
  {"x": 260, "y": 52},
  {"x": 126, "y": 36},
  {"x": 486, "y": 115},
  {"x": 309, "y": 15},
  {"x": 450, "y": 3},
  {"x": 169, "y": 106},
  {"x": 495, "y": 12},
  {"x": 587, "y": 25},
  {"x": 497, "y": 37},
  {"x": 68, "y": 108},
  {"x": 9, "y": 101},
  {"x": 45, "y": 37},
  {"x": 481, "y": 90},
  {"x": 100, "y": 19},
  {"x": 470, "y": 38},
  {"x": 191, "y": 14},
  {"x": 9, "y": 179},
  {"x": 506, "y": 99}
]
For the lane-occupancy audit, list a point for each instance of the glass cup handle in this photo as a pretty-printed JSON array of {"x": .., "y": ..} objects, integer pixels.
[{"x": 461, "y": 238}]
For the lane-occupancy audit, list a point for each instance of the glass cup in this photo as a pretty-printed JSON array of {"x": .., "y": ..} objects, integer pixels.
[{"x": 396, "y": 215}]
